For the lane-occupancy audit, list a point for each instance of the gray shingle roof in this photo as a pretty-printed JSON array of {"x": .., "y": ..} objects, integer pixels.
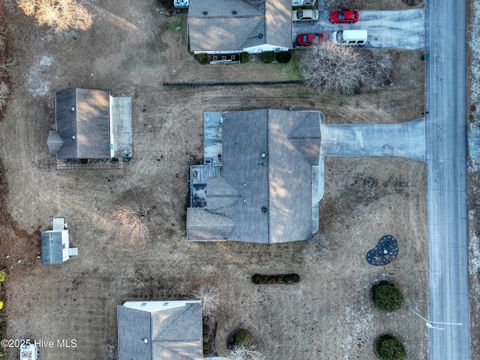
[
  {"x": 83, "y": 123},
  {"x": 264, "y": 194},
  {"x": 234, "y": 25},
  {"x": 173, "y": 334}
]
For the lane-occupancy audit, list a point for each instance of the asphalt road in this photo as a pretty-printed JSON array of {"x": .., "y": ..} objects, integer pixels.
[
  {"x": 402, "y": 29},
  {"x": 446, "y": 179}
]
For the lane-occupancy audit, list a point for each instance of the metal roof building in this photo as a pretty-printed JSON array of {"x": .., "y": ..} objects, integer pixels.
[
  {"x": 160, "y": 330},
  {"x": 239, "y": 25},
  {"x": 91, "y": 124},
  {"x": 259, "y": 179},
  {"x": 55, "y": 244}
]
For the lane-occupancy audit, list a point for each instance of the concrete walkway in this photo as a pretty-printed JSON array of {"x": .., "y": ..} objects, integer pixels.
[
  {"x": 404, "y": 139},
  {"x": 401, "y": 29}
]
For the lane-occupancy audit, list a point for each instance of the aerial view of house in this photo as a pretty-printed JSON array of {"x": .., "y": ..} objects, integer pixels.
[
  {"x": 253, "y": 26},
  {"x": 239, "y": 179},
  {"x": 258, "y": 177},
  {"x": 160, "y": 330}
]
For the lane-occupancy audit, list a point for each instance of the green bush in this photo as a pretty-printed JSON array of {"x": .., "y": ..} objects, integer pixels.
[
  {"x": 243, "y": 338},
  {"x": 283, "y": 57},
  {"x": 260, "y": 279},
  {"x": 268, "y": 57},
  {"x": 202, "y": 58},
  {"x": 389, "y": 348},
  {"x": 244, "y": 57},
  {"x": 387, "y": 296}
]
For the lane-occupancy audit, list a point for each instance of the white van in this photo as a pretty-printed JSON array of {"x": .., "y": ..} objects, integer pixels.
[{"x": 350, "y": 37}]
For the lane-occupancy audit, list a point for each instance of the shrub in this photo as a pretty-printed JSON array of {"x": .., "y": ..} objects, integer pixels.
[
  {"x": 243, "y": 338},
  {"x": 3, "y": 277},
  {"x": 260, "y": 279},
  {"x": 268, "y": 57},
  {"x": 244, "y": 57},
  {"x": 283, "y": 57},
  {"x": 202, "y": 58},
  {"x": 2, "y": 304},
  {"x": 389, "y": 348},
  {"x": 387, "y": 296},
  {"x": 239, "y": 338}
]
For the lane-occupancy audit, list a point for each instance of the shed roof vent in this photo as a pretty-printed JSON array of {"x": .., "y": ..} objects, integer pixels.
[
  {"x": 205, "y": 12},
  {"x": 234, "y": 12}
]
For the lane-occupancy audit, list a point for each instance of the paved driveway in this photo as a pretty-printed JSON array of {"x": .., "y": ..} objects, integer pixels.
[
  {"x": 405, "y": 139},
  {"x": 446, "y": 179},
  {"x": 402, "y": 29}
]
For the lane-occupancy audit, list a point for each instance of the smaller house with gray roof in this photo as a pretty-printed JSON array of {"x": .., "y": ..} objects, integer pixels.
[
  {"x": 91, "y": 124},
  {"x": 160, "y": 330},
  {"x": 55, "y": 244},
  {"x": 233, "y": 26}
]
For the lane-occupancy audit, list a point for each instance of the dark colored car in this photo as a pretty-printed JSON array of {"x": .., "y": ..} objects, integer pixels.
[
  {"x": 344, "y": 16},
  {"x": 309, "y": 39}
]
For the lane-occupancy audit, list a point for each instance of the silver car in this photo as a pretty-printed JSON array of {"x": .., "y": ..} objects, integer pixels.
[{"x": 305, "y": 15}]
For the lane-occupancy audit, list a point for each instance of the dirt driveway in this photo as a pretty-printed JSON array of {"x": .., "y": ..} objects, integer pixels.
[{"x": 131, "y": 50}]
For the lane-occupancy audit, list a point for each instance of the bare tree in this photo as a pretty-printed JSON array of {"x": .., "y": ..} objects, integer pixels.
[
  {"x": 327, "y": 67},
  {"x": 211, "y": 299},
  {"x": 4, "y": 94},
  {"x": 132, "y": 218},
  {"x": 60, "y": 15},
  {"x": 331, "y": 68},
  {"x": 245, "y": 353}
]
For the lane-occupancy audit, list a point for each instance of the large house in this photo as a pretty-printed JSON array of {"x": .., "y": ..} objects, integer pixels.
[
  {"x": 91, "y": 124},
  {"x": 160, "y": 330},
  {"x": 260, "y": 179},
  {"x": 233, "y": 26}
]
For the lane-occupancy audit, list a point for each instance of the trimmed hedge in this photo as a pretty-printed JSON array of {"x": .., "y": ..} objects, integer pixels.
[
  {"x": 387, "y": 296},
  {"x": 389, "y": 348},
  {"x": 244, "y": 57},
  {"x": 259, "y": 279},
  {"x": 268, "y": 57},
  {"x": 202, "y": 58},
  {"x": 283, "y": 57}
]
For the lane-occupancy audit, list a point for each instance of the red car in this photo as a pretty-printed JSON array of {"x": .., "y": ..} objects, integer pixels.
[
  {"x": 309, "y": 39},
  {"x": 344, "y": 16}
]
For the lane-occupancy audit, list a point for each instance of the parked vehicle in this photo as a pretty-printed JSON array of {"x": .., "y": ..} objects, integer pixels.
[
  {"x": 350, "y": 37},
  {"x": 344, "y": 16},
  {"x": 303, "y": 2},
  {"x": 309, "y": 39},
  {"x": 305, "y": 15}
]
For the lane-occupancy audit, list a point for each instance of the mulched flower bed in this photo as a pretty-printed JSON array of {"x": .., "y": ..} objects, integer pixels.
[{"x": 384, "y": 253}]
